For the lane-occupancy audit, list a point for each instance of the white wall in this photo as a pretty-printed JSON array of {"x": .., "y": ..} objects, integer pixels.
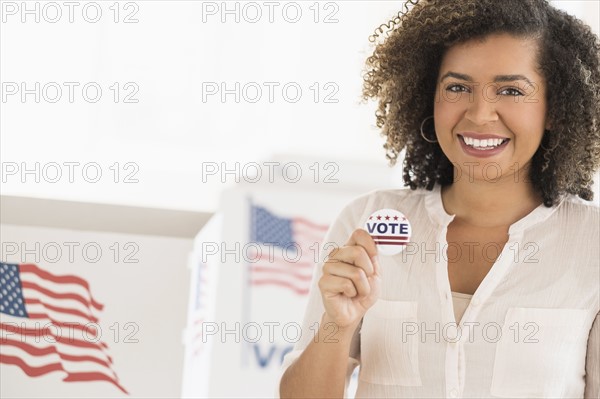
[
  {"x": 163, "y": 140},
  {"x": 170, "y": 132}
]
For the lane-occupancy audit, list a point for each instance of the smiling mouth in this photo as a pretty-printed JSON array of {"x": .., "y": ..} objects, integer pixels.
[{"x": 486, "y": 144}]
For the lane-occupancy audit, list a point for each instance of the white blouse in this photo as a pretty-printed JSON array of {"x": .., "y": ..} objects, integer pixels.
[{"x": 524, "y": 333}]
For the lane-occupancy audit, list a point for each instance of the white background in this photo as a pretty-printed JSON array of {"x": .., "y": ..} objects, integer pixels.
[{"x": 164, "y": 139}]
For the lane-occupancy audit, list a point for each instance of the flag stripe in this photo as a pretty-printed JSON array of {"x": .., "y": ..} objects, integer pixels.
[
  {"x": 47, "y": 332},
  {"x": 281, "y": 261},
  {"x": 93, "y": 376},
  {"x": 306, "y": 222},
  {"x": 74, "y": 312},
  {"x": 48, "y": 350},
  {"x": 69, "y": 279},
  {"x": 392, "y": 237},
  {"x": 303, "y": 277},
  {"x": 56, "y": 295},
  {"x": 309, "y": 239},
  {"x": 30, "y": 370},
  {"x": 75, "y": 326},
  {"x": 45, "y": 302}
]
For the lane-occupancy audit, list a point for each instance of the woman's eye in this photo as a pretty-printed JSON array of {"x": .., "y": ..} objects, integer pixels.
[
  {"x": 512, "y": 92},
  {"x": 456, "y": 88}
]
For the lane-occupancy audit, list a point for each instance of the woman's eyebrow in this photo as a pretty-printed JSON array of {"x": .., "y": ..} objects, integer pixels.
[
  {"x": 512, "y": 78},
  {"x": 457, "y": 76},
  {"x": 497, "y": 78}
]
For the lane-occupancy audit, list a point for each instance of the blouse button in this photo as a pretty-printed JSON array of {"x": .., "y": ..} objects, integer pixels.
[{"x": 453, "y": 393}]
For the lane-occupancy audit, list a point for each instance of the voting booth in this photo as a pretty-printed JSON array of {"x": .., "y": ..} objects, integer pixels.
[{"x": 251, "y": 268}]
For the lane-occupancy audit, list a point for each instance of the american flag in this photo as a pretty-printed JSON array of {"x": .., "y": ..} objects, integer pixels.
[
  {"x": 49, "y": 325},
  {"x": 294, "y": 244}
]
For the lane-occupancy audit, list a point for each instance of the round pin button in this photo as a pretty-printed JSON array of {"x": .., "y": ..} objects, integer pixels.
[{"x": 390, "y": 230}]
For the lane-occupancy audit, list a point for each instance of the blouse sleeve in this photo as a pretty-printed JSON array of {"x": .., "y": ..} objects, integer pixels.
[
  {"x": 338, "y": 235},
  {"x": 592, "y": 363}
]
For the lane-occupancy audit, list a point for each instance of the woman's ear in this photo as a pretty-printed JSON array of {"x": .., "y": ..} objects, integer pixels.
[{"x": 548, "y": 124}]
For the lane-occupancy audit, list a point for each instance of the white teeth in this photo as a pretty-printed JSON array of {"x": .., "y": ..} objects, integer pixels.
[{"x": 482, "y": 144}]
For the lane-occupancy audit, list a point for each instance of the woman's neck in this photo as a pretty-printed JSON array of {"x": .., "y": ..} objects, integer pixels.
[{"x": 490, "y": 204}]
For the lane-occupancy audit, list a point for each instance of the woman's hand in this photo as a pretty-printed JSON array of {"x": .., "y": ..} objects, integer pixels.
[{"x": 350, "y": 284}]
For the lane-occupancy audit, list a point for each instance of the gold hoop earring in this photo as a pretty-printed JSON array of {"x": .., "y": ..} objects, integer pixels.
[{"x": 423, "y": 134}]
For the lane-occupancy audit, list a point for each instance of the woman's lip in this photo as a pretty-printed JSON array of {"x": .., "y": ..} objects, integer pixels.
[{"x": 482, "y": 153}]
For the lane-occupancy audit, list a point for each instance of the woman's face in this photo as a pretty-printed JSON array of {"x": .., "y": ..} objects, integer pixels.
[{"x": 490, "y": 107}]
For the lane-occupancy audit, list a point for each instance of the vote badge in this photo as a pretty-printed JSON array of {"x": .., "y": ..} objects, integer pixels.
[{"x": 390, "y": 230}]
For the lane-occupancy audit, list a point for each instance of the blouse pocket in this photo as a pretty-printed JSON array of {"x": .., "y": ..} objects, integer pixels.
[
  {"x": 389, "y": 349},
  {"x": 535, "y": 350}
]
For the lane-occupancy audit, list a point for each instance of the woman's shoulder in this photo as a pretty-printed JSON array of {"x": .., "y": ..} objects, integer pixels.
[
  {"x": 578, "y": 209},
  {"x": 577, "y": 215},
  {"x": 396, "y": 196},
  {"x": 404, "y": 200}
]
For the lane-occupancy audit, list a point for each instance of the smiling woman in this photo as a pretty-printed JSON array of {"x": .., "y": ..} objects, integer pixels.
[
  {"x": 511, "y": 108},
  {"x": 496, "y": 106},
  {"x": 559, "y": 51}
]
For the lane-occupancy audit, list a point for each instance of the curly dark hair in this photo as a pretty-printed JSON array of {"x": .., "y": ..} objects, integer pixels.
[{"x": 402, "y": 73}]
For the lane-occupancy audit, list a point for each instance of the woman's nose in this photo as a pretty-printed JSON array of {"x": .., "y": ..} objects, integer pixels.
[{"x": 482, "y": 105}]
